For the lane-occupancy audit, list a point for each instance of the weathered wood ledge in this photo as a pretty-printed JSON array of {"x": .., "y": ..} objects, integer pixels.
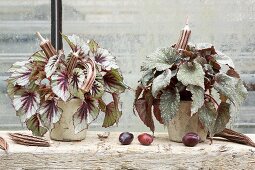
[{"x": 93, "y": 153}]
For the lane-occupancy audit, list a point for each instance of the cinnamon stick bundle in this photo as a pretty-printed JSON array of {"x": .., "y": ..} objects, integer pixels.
[{"x": 28, "y": 140}]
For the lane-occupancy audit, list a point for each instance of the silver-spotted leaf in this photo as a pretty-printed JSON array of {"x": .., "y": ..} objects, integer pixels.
[
  {"x": 112, "y": 115},
  {"x": 169, "y": 105},
  {"x": 222, "y": 117},
  {"x": 104, "y": 58},
  {"x": 223, "y": 59},
  {"x": 26, "y": 104},
  {"x": 147, "y": 77},
  {"x": 160, "y": 82},
  {"x": 60, "y": 85},
  {"x": 231, "y": 87},
  {"x": 191, "y": 73},
  {"x": 207, "y": 115},
  {"x": 35, "y": 125},
  {"x": 50, "y": 112},
  {"x": 114, "y": 81},
  {"x": 197, "y": 97},
  {"x": 161, "y": 59}
]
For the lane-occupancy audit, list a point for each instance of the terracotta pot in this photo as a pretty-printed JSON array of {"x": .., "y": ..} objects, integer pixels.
[
  {"x": 63, "y": 130},
  {"x": 182, "y": 123}
]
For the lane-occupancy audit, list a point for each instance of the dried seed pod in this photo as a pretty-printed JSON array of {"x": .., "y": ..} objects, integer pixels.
[{"x": 46, "y": 46}]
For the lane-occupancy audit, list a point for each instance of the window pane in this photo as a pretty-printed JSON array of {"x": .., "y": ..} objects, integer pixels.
[
  {"x": 132, "y": 29},
  {"x": 19, "y": 20}
]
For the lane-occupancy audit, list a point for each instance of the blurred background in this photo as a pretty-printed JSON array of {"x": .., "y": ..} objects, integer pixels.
[{"x": 131, "y": 29}]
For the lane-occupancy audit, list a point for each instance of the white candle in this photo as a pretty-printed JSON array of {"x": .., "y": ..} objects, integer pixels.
[{"x": 184, "y": 38}]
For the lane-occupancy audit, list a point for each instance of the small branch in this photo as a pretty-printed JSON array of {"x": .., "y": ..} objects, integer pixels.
[{"x": 236, "y": 137}]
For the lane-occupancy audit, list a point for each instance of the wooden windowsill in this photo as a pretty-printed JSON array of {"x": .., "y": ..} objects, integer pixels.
[{"x": 93, "y": 153}]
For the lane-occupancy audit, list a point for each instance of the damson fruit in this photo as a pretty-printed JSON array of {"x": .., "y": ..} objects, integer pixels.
[
  {"x": 190, "y": 139},
  {"x": 145, "y": 139},
  {"x": 126, "y": 138}
]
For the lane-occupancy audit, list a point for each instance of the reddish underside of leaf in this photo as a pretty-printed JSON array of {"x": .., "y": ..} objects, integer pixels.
[{"x": 144, "y": 113}]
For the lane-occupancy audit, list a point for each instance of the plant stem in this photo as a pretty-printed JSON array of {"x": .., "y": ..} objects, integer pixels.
[{"x": 213, "y": 100}]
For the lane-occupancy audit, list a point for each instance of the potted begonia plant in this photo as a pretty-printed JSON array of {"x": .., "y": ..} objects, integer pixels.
[
  {"x": 64, "y": 93},
  {"x": 188, "y": 88}
]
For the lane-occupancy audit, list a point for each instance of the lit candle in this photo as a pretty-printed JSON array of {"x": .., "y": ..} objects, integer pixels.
[
  {"x": 184, "y": 38},
  {"x": 46, "y": 46}
]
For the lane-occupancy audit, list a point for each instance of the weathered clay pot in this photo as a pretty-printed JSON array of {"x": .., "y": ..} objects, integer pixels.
[
  {"x": 63, "y": 130},
  {"x": 182, "y": 123}
]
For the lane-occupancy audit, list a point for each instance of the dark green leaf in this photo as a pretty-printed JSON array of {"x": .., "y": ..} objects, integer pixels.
[
  {"x": 101, "y": 105},
  {"x": 231, "y": 87},
  {"x": 93, "y": 46},
  {"x": 222, "y": 117},
  {"x": 114, "y": 81},
  {"x": 12, "y": 90},
  {"x": 39, "y": 57},
  {"x": 191, "y": 73},
  {"x": 160, "y": 82},
  {"x": 147, "y": 77},
  {"x": 207, "y": 115},
  {"x": 112, "y": 115},
  {"x": 161, "y": 59},
  {"x": 222, "y": 59},
  {"x": 197, "y": 98},
  {"x": 35, "y": 125},
  {"x": 169, "y": 105}
]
